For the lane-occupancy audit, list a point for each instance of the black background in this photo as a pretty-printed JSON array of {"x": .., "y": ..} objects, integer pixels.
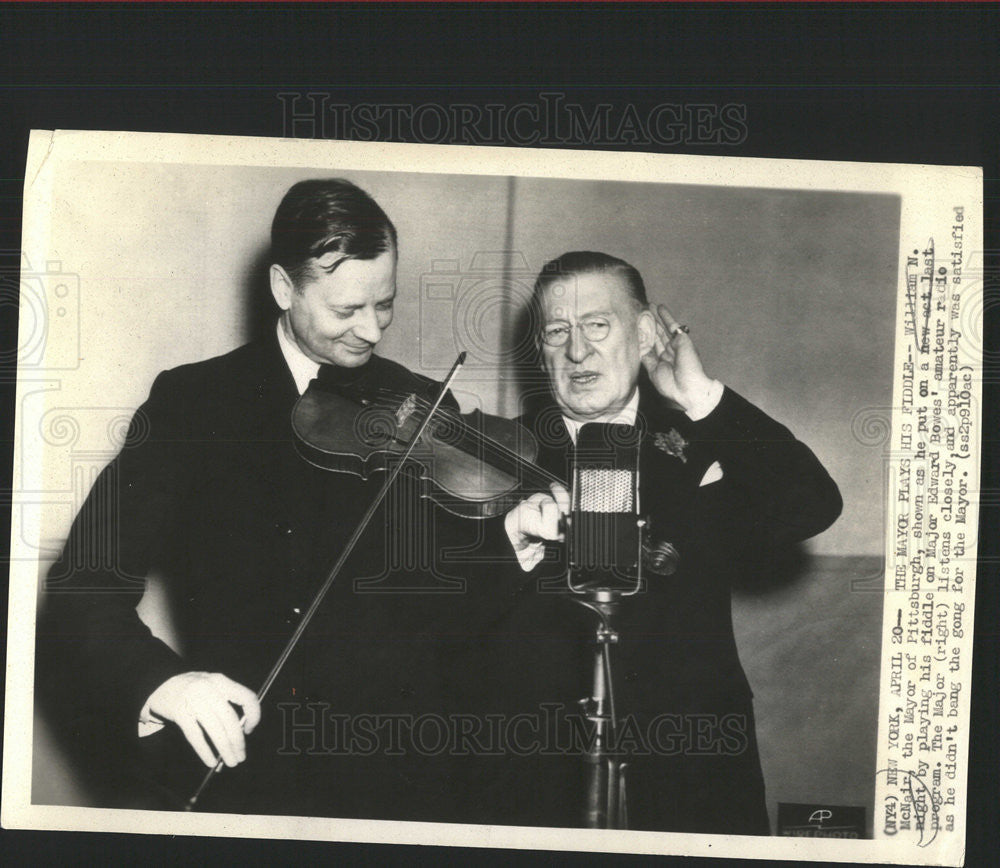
[{"x": 908, "y": 83}]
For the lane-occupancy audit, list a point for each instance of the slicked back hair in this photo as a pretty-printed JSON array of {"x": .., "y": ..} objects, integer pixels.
[
  {"x": 325, "y": 215},
  {"x": 579, "y": 262}
]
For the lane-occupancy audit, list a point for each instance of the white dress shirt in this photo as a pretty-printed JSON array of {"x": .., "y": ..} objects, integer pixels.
[{"x": 303, "y": 369}]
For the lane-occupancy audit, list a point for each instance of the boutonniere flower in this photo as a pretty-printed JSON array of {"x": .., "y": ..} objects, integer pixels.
[{"x": 672, "y": 443}]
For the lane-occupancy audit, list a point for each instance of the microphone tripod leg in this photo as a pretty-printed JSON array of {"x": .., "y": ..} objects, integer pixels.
[
  {"x": 622, "y": 806},
  {"x": 606, "y": 806}
]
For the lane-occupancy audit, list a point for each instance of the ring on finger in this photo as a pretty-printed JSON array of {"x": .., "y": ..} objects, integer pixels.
[{"x": 677, "y": 328}]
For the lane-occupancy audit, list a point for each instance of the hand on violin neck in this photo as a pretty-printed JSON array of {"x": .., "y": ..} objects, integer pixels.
[
  {"x": 534, "y": 521},
  {"x": 201, "y": 704}
]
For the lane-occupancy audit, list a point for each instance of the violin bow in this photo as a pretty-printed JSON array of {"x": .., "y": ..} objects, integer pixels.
[{"x": 337, "y": 567}]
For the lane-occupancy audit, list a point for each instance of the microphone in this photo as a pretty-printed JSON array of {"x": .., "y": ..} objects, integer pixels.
[{"x": 604, "y": 526}]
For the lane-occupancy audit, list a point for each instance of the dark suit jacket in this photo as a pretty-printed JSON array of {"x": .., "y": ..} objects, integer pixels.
[{"x": 211, "y": 494}]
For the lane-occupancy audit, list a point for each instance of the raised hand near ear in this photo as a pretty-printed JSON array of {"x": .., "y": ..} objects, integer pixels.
[{"x": 673, "y": 364}]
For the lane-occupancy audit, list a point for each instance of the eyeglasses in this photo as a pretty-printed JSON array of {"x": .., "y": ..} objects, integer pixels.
[{"x": 556, "y": 334}]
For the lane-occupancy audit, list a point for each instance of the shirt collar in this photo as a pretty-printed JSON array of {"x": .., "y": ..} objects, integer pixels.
[
  {"x": 303, "y": 369},
  {"x": 625, "y": 416}
]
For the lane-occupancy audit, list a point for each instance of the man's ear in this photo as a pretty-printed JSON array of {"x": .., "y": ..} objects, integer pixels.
[
  {"x": 281, "y": 287},
  {"x": 646, "y": 326}
]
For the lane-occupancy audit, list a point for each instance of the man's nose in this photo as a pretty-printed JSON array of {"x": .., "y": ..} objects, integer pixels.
[
  {"x": 577, "y": 347},
  {"x": 366, "y": 326}
]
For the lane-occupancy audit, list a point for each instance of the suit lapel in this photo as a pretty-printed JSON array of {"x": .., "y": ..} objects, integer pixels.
[
  {"x": 554, "y": 443},
  {"x": 663, "y": 453},
  {"x": 292, "y": 486}
]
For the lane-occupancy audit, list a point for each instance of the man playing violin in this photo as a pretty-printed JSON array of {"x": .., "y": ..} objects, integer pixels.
[
  {"x": 725, "y": 485},
  {"x": 210, "y": 494}
]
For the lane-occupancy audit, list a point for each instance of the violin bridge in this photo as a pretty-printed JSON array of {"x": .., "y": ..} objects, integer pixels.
[{"x": 406, "y": 410}]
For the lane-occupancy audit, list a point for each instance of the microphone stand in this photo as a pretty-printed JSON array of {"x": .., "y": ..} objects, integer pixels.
[
  {"x": 606, "y": 797},
  {"x": 606, "y": 805}
]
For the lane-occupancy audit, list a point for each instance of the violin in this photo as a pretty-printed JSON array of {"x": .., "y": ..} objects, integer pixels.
[{"x": 474, "y": 465}]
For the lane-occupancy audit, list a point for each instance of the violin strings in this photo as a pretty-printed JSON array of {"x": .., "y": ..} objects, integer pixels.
[{"x": 489, "y": 444}]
